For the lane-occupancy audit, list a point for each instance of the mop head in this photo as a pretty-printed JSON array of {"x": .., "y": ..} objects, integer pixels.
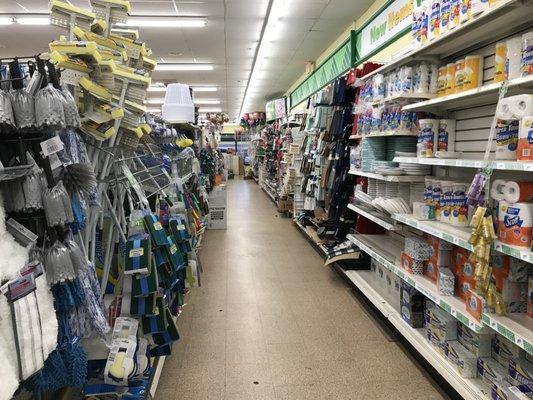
[
  {"x": 9, "y": 364},
  {"x": 14, "y": 256},
  {"x": 79, "y": 178}
]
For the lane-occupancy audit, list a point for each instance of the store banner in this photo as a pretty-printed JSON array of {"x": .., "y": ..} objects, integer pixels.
[
  {"x": 276, "y": 109},
  {"x": 383, "y": 28},
  {"x": 336, "y": 65},
  {"x": 270, "y": 110}
]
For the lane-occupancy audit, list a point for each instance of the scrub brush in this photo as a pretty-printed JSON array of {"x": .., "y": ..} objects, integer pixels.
[{"x": 79, "y": 177}]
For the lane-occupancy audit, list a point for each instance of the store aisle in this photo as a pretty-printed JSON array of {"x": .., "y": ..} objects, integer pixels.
[{"x": 270, "y": 322}]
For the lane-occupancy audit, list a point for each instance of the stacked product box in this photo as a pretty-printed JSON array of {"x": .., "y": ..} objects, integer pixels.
[
  {"x": 440, "y": 326},
  {"x": 441, "y": 257},
  {"x": 464, "y": 273},
  {"x": 511, "y": 276},
  {"x": 412, "y": 305}
]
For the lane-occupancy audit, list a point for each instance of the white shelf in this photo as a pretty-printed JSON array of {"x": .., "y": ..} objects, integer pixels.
[
  {"x": 379, "y": 219},
  {"x": 388, "y": 178},
  {"x": 452, "y": 234},
  {"x": 518, "y": 328},
  {"x": 460, "y": 236},
  {"x": 470, "y": 98},
  {"x": 385, "y": 134},
  {"x": 468, "y": 388},
  {"x": 404, "y": 97},
  {"x": 321, "y": 247},
  {"x": 468, "y": 163},
  {"x": 505, "y": 17},
  {"x": 378, "y": 245}
]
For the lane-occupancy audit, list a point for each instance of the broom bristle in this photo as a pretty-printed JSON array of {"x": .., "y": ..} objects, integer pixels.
[{"x": 79, "y": 178}]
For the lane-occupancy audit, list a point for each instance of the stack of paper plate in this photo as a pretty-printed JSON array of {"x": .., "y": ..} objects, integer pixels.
[
  {"x": 372, "y": 188},
  {"x": 382, "y": 189},
  {"x": 391, "y": 190},
  {"x": 374, "y": 149},
  {"x": 415, "y": 169},
  {"x": 404, "y": 191},
  {"x": 417, "y": 191},
  {"x": 402, "y": 145}
]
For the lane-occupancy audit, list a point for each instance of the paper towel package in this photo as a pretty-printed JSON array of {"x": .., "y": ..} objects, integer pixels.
[
  {"x": 504, "y": 350},
  {"x": 518, "y": 192},
  {"x": 479, "y": 344},
  {"x": 491, "y": 371},
  {"x": 435, "y": 19},
  {"x": 524, "y": 152},
  {"x": 520, "y": 371},
  {"x": 526, "y": 65},
  {"x": 473, "y": 75},
  {"x": 506, "y": 138},
  {"x": 513, "y": 58},
  {"x": 427, "y": 137},
  {"x": 515, "y": 223},
  {"x": 464, "y": 361},
  {"x": 465, "y": 11},
  {"x": 500, "y": 56}
]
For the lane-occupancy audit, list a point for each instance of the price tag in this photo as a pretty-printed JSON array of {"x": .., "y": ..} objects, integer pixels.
[
  {"x": 52, "y": 146},
  {"x": 528, "y": 166},
  {"x": 55, "y": 162}
]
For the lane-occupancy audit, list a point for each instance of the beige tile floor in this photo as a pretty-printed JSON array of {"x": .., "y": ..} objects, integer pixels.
[{"x": 270, "y": 322}]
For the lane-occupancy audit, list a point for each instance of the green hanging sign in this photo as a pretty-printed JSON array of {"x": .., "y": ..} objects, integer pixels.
[{"x": 336, "y": 65}]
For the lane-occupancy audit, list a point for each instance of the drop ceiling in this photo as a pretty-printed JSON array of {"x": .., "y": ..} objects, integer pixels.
[{"x": 229, "y": 42}]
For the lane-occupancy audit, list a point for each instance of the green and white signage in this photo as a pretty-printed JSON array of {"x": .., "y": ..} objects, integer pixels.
[{"x": 391, "y": 21}]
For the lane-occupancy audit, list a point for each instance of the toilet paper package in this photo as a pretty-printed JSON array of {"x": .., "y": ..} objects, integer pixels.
[
  {"x": 427, "y": 137},
  {"x": 437, "y": 194},
  {"x": 506, "y": 138},
  {"x": 516, "y": 107},
  {"x": 479, "y": 344},
  {"x": 446, "y": 135},
  {"x": 515, "y": 223},
  {"x": 442, "y": 81},
  {"x": 497, "y": 191},
  {"x": 526, "y": 66},
  {"x": 446, "y": 201},
  {"x": 518, "y": 192},
  {"x": 464, "y": 361},
  {"x": 524, "y": 152},
  {"x": 514, "y": 58}
]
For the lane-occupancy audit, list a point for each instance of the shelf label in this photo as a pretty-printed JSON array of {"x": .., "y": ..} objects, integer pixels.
[
  {"x": 506, "y": 332},
  {"x": 528, "y": 347}
]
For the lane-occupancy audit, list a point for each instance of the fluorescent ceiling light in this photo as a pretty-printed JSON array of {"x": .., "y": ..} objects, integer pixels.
[
  {"x": 183, "y": 67},
  {"x": 204, "y": 89},
  {"x": 33, "y": 20},
  {"x": 209, "y": 110},
  {"x": 166, "y": 22},
  {"x": 6, "y": 21},
  {"x": 206, "y": 102}
]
